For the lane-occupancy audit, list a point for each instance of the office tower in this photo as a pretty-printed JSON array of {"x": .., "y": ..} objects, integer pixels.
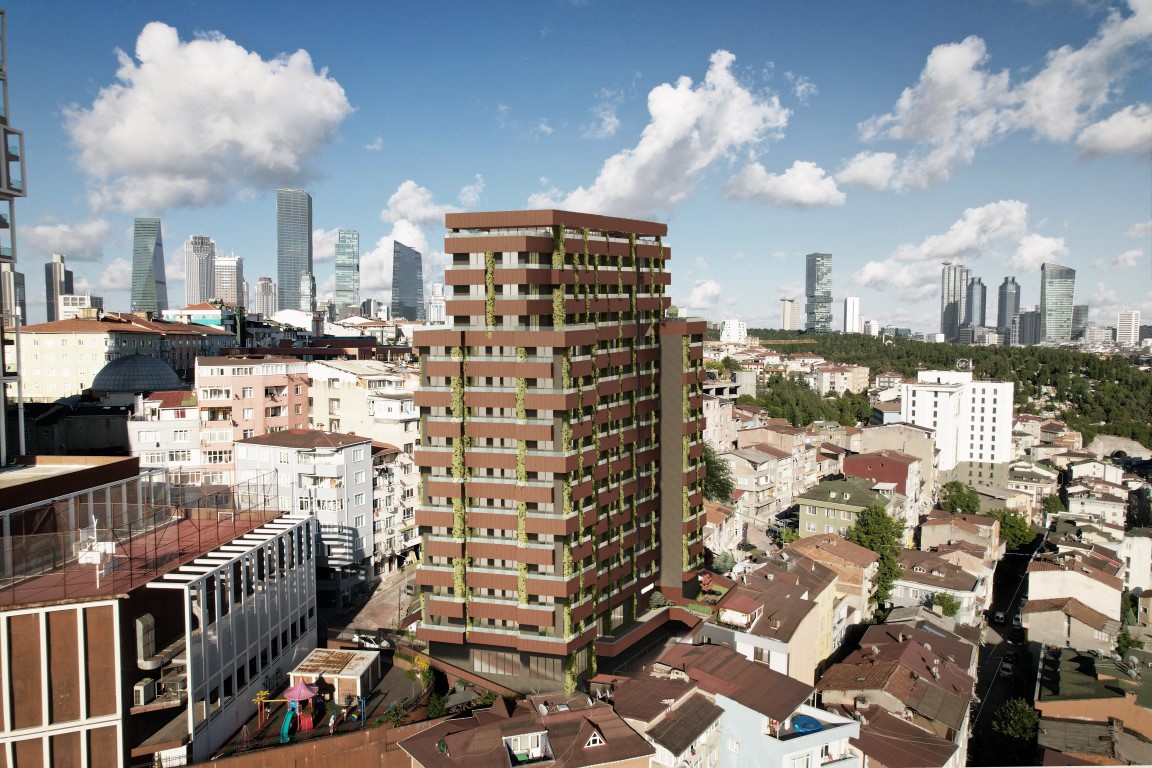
[
  {"x": 972, "y": 419},
  {"x": 871, "y": 327},
  {"x": 976, "y": 304},
  {"x": 293, "y": 245},
  {"x": 230, "y": 280},
  {"x": 818, "y": 291},
  {"x": 1057, "y": 286},
  {"x": 264, "y": 303},
  {"x": 149, "y": 287},
  {"x": 562, "y": 442},
  {"x": 11, "y": 187},
  {"x": 57, "y": 282},
  {"x": 789, "y": 315},
  {"x": 347, "y": 269},
  {"x": 1007, "y": 304},
  {"x": 407, "y": 283},
  {"x": 1128, "y": 328},
  {"x": 307, "y": 290},
  {"x": 853, "y": 323},
  {"x": 1026, "y": 328},
  {"x": 199, "y": 269},
  {"x": 12, "y": 290},
  {"x": 734, "y": 332},
  {"x": 1079, "y": 319},
  {"x": 436, "y": 314},
  {"x": 953, "y": 299}
]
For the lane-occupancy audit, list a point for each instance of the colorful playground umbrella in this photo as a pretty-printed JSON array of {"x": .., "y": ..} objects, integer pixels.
[{"x": 302, "y": 691}]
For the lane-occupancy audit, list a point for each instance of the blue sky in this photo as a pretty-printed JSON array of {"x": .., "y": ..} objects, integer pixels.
[{"x": 893, "y": 135}]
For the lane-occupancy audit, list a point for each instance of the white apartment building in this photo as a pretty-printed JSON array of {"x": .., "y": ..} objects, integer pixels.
[
  {"x": 719, "y": 426},
  {"x": 330, "y": 476},
  {"x": 367, "y": 397},
  {"x": 972, "y": 419},
  {"x": 853, "y": 320},
  {"x": 1128, "y": 328},
  {"x": 734, "y": 332},
  {"x": 790, "y": 315}
]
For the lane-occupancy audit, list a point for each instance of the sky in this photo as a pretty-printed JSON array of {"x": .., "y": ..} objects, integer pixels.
[{"x": 893, "y": 135}]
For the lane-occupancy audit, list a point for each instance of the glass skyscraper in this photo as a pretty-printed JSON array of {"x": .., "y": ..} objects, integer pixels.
[
  {"x": 818, "y": 290},
  {"x": 1007, "y": 304},
  {"x": 199, "y": 269},
  {"x": 58, "y": 281},
  {"x": 1057, "y": 286},
  {"x": 347, "y": 269},
  {"x": 149, "y": 287},
  {"x": 293, "y": 244},
  {"x": 976, "y": 310},
  {"x": 953, "y": 299},
  {"x": 407, "y": 283}
]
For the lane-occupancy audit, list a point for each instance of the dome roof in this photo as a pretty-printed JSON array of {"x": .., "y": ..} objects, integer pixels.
[{"x": 136, "y": 373}]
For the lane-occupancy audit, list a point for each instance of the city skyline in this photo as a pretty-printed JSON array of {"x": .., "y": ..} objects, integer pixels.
[{"x": 795, "y": 153}]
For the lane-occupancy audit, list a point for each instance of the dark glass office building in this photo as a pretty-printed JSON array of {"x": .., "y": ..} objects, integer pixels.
[
  {"x": 293, "y": 244},
  {"x": 149, "y": 286},
  {"x": 407, "y": 283}
]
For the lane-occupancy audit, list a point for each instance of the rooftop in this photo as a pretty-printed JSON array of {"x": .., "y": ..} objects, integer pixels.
[
  {"x": 895, "y": 743},
  {"x": 1068, "y": 674},
  {"x": 305, "y": 438}
]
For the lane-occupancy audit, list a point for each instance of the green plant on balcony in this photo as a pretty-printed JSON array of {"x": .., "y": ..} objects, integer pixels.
[
  {"x": 558, "y": 246},
  {"x": 459, "y": 518},
  {"x": 565, "y": 435},
  {"x": 521, "y": 398},
  {"x": 559, "y": 311},
  {"x": 566, "y": 368},
  {"x": 687, "y": 447},
  {"x": 571, "y": 674},
  {"x": 460, "y": 578},
  {"x": 567, "y": 559},
  {"x": 567, "y": 619},
  {"x": 685, "y": 557},
  {"x": 687, "y": 504},
  {"x": 459, "y": 451},
  {"x": 521, "y": 461},
  {"x": 522, "y": 523},
  {"x": 490, "y": 291},
  {"x": 522, "y": 583},
  {"x": 620, "y": 272},
  {"x": 521, "y": 355}
]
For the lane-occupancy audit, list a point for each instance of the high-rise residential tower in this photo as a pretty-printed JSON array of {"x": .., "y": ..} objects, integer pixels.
[
  {"x": 347, "y": 269},
  {"x": 293, "y": 245},
  {"x": 1057, "y": 287},
  {"x": 1128, "y": 328},
  {"x": 853, "y": 322},
  {"x": 953, "y": 299},
  {"x": 818, "y": 292},
  {"x": 149, "y": 286},
  {"x": 58, "y": 281},
  {"x": 561, "y": 462},
  {"x": 230, "y": 285},
  {"x": 790, "y": 315},
  {"x": 976, "y": 304},
  {"x": 407, "y": 283},
  {"x": 1007, "y": 304},
  {"x": 264, "y": 302},
  {"x": 199, "y": 269}
]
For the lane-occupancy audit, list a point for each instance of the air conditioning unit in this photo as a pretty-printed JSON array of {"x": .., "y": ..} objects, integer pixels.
[{"x": 144, "y": 692}]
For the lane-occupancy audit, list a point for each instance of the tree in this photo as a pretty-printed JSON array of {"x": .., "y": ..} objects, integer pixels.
[
  {"x": 948, "y": 603},
  {"x": 878, "y": 531},
  {"x": 1014, "y": 727},
  {"x": 1053, "y": 505},
  {"x": 1015, "y": 529},
  {"x": 435, "y": 707},
  {"x": 718, "y": 482},
  {"x": 730, "y": 364},
  {"x": 723, "y": 562},
  {"x": 789, "y": 535},
  {"x": 955, "y": 496}
]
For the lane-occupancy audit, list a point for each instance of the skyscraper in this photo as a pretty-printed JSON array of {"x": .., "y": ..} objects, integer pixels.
[
  {"x": 13, "y": 291},
  {"x": 953, "y": 299},
  {"x": 347, "y": 269},
  {"x": 199, "y": 269},
  {"x": 1128, "y": 328},
  {"x": 789, "y": 315},
  {"x": 293, "y": 245},
  {"x": 307, "y": 290},
  {"x": 560, "y": 466},
  {"x": 1079, "y": 319},
  {"x": 230, "y": 286},
  {"x": 976, "y": 304},
  {"x": 57, "y": 282},
  {"x": 407, "y": 283},
  {"x": 818, "y": 290},
  {"x": 149, "y": 287},
  {"x": 1057, "y": 287},
  {"x": 853, "y": 323},
  {"x": 1007, "y": 304},
  {"x": 264, "y": 302},
  {"x": 1025, "y": 328}
]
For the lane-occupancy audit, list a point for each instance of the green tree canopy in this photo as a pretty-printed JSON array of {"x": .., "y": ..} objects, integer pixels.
[
  {"x": 730, "y": 364},
  {"x": 718, "y": 481},
  {"x": 1016, "y": 530},
  {"x": 878, "y": 531},
  {"x": 1014, "y": 727},
  {"x": 723, "y": 562},
  {"x": 955, "y": 496},
  {"x": 948, "y": 603},
  {"x": 1053, "y": 505}
]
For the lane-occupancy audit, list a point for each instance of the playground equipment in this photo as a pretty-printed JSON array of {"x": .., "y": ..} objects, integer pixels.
[{"x": 295, "y": 696}]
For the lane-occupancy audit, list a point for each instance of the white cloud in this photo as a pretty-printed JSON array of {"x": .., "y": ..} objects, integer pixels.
[
  {"x": 1128, "y": 131},
  {"x": 470, "y": 193},
  {"x": 1128, "y": 259},
  {"x": 375, "y": 145},
  {"x": 414, "y": 203},
  {"x": 1033, "y": 250},
  {"x": 1143, "y": 229},
  {"x": 175, "y": 268},
  {"x": 543, "y": 128},
  {"x": 802, "y": 88},
  {"x": 188, "y": 123},
  {"x": 376, "y": 264},
  {"x": 790, "y": 290},
  {"x": 804, "y": 185},
  {"x": 82, "y": 241},
  {"x": 324, "y": 244},
  {"x": 913, "y": 271},
  {"x": 959, "y": 105},
  {"x": 606, "y": 122},
  {"x": 117, "y": 276},
  {"x": 869, "y": 169},
  {"x": 705, "y": 295},
  {"x": 691, "y": 128}
]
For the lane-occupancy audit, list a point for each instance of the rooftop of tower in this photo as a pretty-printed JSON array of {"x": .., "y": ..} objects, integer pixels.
[{"x": 487, "y": 220}]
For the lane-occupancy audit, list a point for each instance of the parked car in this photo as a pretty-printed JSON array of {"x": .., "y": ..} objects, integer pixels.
[
  {"x": 1016, "y": 622},
  {"x": 998, "y": 617},
  {"x": 1007, "y": 669},
  {"x": 1023, "y": 602}
]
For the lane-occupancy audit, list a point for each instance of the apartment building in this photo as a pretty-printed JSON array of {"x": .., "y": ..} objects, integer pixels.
[
  {"x": 394, "y": 485},
  {"x": 855, "y": 568},
  {"x": 562, "y": 448},
  {"x": 832, "y": 506},
  {"x": 368, "y": 397},
  {"x": 719, "y": 426},
  {"x": 764, "y": 474}
]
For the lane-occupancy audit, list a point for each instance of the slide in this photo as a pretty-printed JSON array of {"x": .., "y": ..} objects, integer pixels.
[{"x": 284, "y": 729}]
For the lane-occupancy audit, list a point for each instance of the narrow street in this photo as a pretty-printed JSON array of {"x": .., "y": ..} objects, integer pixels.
[{"x": 388, "y": 599}]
